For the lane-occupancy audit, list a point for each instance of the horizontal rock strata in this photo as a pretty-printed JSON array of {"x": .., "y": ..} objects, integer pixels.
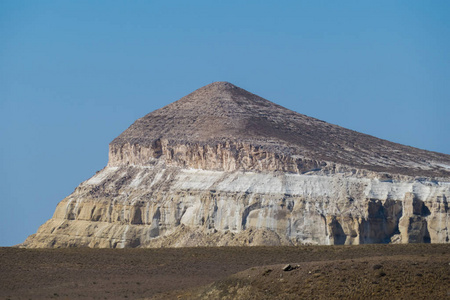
[
  {"x": 151, "y": 206},
  {"x": 222, "y": 166}
]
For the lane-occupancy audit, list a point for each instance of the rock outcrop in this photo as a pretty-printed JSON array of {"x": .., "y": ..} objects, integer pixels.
[{"x": 222, "y": 166}]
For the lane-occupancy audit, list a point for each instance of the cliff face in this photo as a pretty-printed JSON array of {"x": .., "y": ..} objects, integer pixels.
[
  {"x": 227, "y": 156},
  {"x": 227, "y": 181}
]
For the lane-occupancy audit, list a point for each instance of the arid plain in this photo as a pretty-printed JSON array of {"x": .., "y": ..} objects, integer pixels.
[{"x": 415, "y": 271}]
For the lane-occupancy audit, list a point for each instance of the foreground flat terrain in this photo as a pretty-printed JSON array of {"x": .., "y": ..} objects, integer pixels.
[{"x": 415, "y": 271}]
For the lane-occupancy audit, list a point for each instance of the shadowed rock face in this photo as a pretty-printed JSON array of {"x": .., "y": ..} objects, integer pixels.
[{"x": 222, "y": 166}]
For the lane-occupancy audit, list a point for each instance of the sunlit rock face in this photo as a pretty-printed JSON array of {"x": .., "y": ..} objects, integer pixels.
[{"x": 222, "y": 166}]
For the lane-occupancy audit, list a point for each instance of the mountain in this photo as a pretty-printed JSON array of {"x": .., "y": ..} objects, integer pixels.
[{"x": 222, "y": 166}]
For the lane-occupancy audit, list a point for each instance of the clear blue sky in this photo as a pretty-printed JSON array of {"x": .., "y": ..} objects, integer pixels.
[{"x": 75, "y": 74}]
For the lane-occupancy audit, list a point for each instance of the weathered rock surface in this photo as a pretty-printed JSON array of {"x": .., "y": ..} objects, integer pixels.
[{"x": 222, "y": 166}]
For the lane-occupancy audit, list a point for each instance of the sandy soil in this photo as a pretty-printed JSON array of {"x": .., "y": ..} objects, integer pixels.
[{"x": 416, "y": 271}]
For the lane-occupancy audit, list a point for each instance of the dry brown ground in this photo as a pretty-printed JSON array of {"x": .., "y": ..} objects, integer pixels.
[{"x": 416, "y": 271}]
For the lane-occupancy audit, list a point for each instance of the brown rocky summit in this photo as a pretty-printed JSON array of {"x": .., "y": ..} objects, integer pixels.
[{"x": 222, "y": 112}]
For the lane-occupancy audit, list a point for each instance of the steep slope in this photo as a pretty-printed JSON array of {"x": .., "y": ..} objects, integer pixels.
[
  {"x": 222, "y": 166},
  {"x": 222, "y": 113}
]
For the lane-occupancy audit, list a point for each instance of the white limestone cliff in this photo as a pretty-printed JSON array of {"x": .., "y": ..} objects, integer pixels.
[{"x": 152, "y": 204}]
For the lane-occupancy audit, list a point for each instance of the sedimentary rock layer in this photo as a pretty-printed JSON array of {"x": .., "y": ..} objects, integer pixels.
[
  {"x": 226, "y": 167},
  {"x": 157, "y": 206}
]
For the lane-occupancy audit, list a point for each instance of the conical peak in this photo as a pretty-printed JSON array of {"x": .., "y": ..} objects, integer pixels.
[
  {"x": 220, "y": 85},
  {"x": 222, "y": 112},
  {"x": 218, "y": 98},
  {"x": 215, "y": 112},
  {"x": 216, "y": 90},
  {"x": 221, "y": 88}
]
